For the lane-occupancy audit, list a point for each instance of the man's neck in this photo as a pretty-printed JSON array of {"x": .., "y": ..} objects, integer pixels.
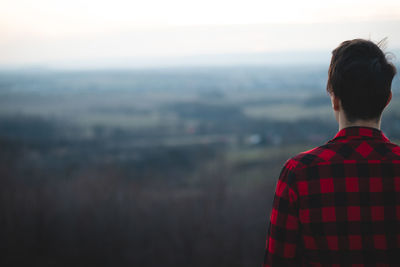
[
  {"x": 344, "y": 122},
  {"x": 360, "y": 123}
]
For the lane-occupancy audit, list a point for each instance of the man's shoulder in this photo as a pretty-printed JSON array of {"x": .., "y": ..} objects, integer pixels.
[
  {"x": 310, "y": 157},
  {"x": 340, "y": 152}
]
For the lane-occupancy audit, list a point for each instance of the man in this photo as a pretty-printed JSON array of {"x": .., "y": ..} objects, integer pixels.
[{"x": 339, "y": 204}]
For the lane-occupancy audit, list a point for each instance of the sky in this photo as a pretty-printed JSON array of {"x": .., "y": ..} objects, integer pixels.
[{"x": 121, "y": 33}]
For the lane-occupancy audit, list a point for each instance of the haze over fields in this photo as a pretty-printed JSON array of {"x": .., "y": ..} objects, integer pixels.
[{"x": 124, "y": 34}]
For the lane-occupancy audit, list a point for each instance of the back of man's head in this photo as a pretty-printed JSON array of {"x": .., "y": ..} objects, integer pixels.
[{"x": 361, "y": 77}]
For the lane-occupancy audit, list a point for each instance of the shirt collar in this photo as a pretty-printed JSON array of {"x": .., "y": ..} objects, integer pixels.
[{"x": 360, "y": 132}]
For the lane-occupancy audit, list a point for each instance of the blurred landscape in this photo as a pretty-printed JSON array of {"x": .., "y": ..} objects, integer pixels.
[{"x": 168, "y": 166}]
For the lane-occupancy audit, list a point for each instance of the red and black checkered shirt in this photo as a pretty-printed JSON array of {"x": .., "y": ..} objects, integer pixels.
[{"x": 338, "y": 204}]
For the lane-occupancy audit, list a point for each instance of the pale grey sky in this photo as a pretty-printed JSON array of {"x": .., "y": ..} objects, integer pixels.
[{"x": 120, "y": 33}]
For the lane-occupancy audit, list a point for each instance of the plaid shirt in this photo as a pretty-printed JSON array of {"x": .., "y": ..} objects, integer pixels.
[{"x": 338, "y": 204}]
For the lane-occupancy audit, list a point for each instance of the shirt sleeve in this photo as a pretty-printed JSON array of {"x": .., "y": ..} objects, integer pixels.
[{"x": 282, "y": 246}]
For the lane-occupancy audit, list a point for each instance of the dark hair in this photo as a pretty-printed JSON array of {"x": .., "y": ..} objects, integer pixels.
[{"x": 361, "y": 77}]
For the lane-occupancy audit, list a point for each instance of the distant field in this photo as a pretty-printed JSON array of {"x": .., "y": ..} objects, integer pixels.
[{"x": 288, "y": 112}]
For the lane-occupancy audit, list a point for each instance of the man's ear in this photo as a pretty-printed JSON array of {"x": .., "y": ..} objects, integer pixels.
[
  {"x": 389, "y": 98},
  {"x": 335, "y": 102}
]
